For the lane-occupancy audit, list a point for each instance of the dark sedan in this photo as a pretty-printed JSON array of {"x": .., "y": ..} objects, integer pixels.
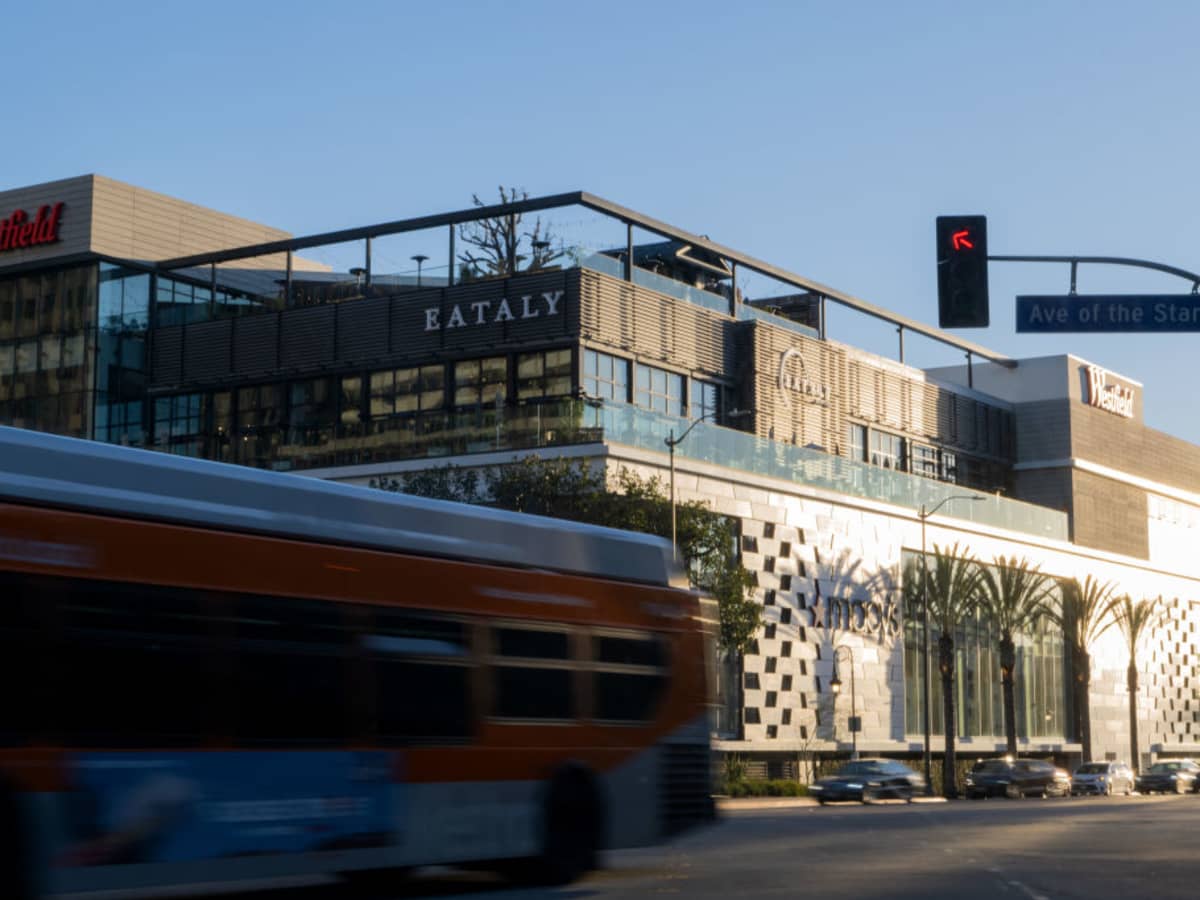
[
  {"x": 1017, "y": 778},
  {"x": 866, "y": 780},
  {"x": 1176, "y": 776}
]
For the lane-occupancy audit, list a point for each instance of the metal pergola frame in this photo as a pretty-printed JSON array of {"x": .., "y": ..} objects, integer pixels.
[{"x": 630, "y": 218}]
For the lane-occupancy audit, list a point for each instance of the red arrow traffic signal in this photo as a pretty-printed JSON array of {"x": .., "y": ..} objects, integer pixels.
[{"x": 962, "y": 271}]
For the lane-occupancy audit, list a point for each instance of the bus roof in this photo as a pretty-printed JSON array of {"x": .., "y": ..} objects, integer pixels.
[{"x": 47, "y": 469}]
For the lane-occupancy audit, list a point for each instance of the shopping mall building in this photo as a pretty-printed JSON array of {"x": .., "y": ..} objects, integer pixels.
[{"x": 132, "y": 317}]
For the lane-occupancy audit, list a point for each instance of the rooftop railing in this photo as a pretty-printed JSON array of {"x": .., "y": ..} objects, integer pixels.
[{"x": 516, "y": 236}]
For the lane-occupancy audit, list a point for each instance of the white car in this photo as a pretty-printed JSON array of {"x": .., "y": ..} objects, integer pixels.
[{"x": 1103, "y": 778}]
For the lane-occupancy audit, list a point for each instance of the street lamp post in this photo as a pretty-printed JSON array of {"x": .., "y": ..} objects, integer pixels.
[
  {"x": 923, "y": 515},
  {"x": 835, "y": 685},
  {"x": 672, "y": 442},
  {"x": 419, "y": 259}
]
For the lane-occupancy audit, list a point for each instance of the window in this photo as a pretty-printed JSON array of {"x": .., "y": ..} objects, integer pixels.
[
  {"x": 350, "y": 405},
  {"x": 1041, "y": 682},
  {"x": 629, "y": 677},
  {"x": 856, "y": 442},
  {"x": 605, "y": 377},
  {"x": 179, "y": 425},
  {"x": 24, "y": 656},
  {"x": 949, "y": 466},
  {"x": 136, "y": 663},
  {"x": 312, "y": 412},
  {"x": 887, "y": 450},
  {"x": 705, "y": 399},
  {"x": 259, "y": 426},
  {"x": 924, "y": 460},
  {"x": 532, "y": 674},
  {"x": 480, "y": 382},
  {"x": 545, "y": 374},
  {"x": 291, "y": 670},
  {"x": 412, "y": 390},
  {"x": 421, "y": 673},
  {"x": 659, "y": 390}
]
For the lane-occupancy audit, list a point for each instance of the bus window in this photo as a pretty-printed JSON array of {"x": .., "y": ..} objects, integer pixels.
[
  {"x": 532, "y": 672},
  {"x": 291, "y": 671},
  {"x": 136, "y": 664},
  {"x": 629, "y": 676},
  {"x": 22, "y": 660},
  {"x": 421, "y": 667}
]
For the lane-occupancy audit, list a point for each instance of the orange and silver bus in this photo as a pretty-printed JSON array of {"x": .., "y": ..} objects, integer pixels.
[{"x": 213, "y": 673}]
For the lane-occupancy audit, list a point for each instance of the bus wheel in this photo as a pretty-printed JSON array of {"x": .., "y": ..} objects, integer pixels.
[
  {"x": 14, "y": 863},
  {"x": 573, "y": 826}
]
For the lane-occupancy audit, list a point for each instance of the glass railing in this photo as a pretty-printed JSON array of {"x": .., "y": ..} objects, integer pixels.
[
  {"x": 553, "y": 423},
  {"x": 745, "y": 452},
  {"x": 607, "y": 265},
  {"x": 559, "y": 423},
  {"x": 750, "y": 312}
]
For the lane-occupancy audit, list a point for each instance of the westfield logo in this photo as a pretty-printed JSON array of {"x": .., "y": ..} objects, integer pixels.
[{"x": 19, "y": 231}]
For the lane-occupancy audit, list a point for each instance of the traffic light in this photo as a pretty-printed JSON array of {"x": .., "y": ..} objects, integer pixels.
[{"x": 962, "y": 271}]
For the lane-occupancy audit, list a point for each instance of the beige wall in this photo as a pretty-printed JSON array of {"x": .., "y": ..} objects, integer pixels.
[{"x": 115, "y": 219}]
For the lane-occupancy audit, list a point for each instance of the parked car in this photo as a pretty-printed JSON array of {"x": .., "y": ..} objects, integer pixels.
[
  {"x": 866, "y": 780},
  {"x": 1173, "y": 776},
  {"x": 1017, "y": 778},
  {"x": 1104, "y": 778}
]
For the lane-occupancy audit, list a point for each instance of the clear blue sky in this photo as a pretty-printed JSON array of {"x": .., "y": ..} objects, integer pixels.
[{"x": 820, "y": 137}]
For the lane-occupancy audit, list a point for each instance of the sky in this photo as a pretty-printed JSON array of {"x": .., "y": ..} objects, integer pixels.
[{"x": 824, "y": 138}]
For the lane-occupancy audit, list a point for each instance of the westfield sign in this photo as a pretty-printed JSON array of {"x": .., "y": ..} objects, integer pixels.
[
  {"x": 20, "y": 230},
  {"x": 1113, "y": 398}
]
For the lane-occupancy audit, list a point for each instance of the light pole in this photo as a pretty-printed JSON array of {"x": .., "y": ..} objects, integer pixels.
[
  {"x": 419, "y": 259},
  {"x": 835, "y": 685},
  {"x": 672, "y": 442},
  {"x": 923, "y": 515}
]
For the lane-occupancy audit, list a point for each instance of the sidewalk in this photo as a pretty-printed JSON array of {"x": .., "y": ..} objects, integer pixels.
[{"x": 734, "y": 804}]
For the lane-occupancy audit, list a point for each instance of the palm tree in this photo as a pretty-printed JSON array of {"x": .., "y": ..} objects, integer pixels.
[
  {"x": 1083, "y": 618},
  {"x": 951, "y": 587},
  {"x": 1015, "y": 596},
  {"x": 1134, "y": 619}
]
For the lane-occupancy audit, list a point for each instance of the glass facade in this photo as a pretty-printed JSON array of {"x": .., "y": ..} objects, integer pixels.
[
  {"x": 180, "y": 301},
  {"x": 47, "y": 339},
  {"x": 1039, "y": 683},
  {"x": 121, "y": 366}
]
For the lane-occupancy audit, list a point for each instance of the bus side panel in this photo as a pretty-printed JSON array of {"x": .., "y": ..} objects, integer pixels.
[
  {"x": 444, "y": 822},
  {"x": 631, "y": 801}
]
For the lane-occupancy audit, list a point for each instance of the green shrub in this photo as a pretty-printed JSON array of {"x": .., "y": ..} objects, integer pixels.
[{"x": 780, "y": 787}]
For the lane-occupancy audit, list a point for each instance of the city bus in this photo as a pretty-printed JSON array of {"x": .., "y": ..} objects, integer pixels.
[{"x": 213, "y": 673}]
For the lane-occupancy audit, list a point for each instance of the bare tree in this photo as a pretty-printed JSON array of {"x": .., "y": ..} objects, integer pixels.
[{"x": 498, "y": 245}]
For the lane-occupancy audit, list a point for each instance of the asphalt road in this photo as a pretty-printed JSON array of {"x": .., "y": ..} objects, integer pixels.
[{"x": 1093, "y": 848}]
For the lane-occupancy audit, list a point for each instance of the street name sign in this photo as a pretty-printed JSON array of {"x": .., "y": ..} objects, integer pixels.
[{"x": 1109, "y": 312}]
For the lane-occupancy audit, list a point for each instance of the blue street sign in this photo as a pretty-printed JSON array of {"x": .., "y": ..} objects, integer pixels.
[{"x": 1109, "y": 312}]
